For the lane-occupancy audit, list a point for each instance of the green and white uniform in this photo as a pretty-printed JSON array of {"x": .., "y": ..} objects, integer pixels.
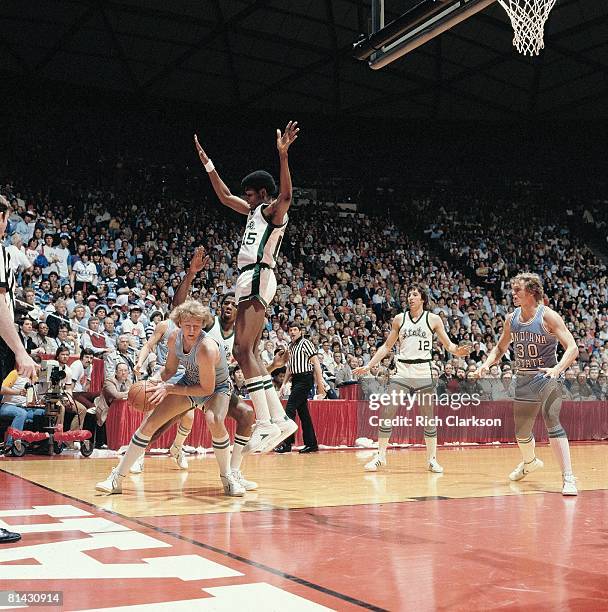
[
  {"x": 257, "y": 257},
  {"x": 414, "y": 352},
  {"x": 226, "y": 342}
]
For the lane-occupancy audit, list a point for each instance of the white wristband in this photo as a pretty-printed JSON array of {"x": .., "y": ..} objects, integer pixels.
[{"x": 209, "y": 166}]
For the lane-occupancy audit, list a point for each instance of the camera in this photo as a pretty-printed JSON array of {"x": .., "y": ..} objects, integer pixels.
[{"x": 55, "y": 392}]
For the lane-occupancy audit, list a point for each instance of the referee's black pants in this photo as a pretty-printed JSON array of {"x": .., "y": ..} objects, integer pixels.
[
  {"x": 301, "y": 384},
  {"x": 7, "y": 361}
]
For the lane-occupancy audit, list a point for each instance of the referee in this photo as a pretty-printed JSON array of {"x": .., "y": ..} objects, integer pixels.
[
  {"x": 12, "y": 351},
  {"x": 303, "y": 362}
]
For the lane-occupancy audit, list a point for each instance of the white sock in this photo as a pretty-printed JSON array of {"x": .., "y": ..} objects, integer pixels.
[
  {"x": 277, "y": 412},
  {"x": 137, "y": 447},
  {"x": 561, "y": 447},
  {"x": 430, "y": 441},
  {"x": 180, "y": 436},
  {"x": 384, "y": 435},
  {"x": 527, "y": 446},
  {"x": 237, "y": 452},
  {"x": 255, "y": 388},
  {"x": 221, "y": 449}
]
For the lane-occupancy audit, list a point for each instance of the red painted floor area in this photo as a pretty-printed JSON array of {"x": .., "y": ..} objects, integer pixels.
[
  {"x": 140, "y": 564},
  {"x": 516, "y": 552},
  {"x": 539, "y": 551}
]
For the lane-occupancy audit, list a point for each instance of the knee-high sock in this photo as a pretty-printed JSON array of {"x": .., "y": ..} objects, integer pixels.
[
  {"x": 277, "y": 412},
  {"x": 255, "y": 387},
  {"x": 237, "y": 452},
  {"x": 221, "y": 449},
  {"x": 527, "y": 446},
  {"x": 180, "y": 436},
  {"x": 559, "y": 443},
  {"x": 137, "y": 447},
  {"x": 430, "y": 441}
]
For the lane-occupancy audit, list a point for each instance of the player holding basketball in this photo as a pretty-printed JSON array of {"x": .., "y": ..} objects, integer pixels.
[
  {"x": 413, "y": 330},
  {"x": 534, "y": 330},
  {"x": 205, "y": 384},
  {"x": 256, "y": 284},
  {"x": 222, "y": 331}
]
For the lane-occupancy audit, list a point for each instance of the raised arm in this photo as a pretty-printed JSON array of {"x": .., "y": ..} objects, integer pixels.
[
  {"x": 199, "y": 260},
  {"x": 385, "y": 349},
  {"x": 280, "y": 206},
  {"x": 556, "y": 326},
  {"x": 221, "y": 189}
]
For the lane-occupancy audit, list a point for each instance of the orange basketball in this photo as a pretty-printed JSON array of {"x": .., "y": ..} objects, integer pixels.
[{"x": 139, "y": 396}]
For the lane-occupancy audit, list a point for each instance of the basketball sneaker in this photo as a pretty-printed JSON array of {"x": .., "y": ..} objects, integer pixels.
[
  {"x": 287, "y": 427},
  {"x": 112, "y": 484},
  {"x": 138, "y": 466},
  {"x": 569, "y": 484},
  {"x": 434, "y": 466},
  {"x": 263, "y": 434},
  {"x": 249, "y": 485},
  {"x": 232, "y": 487},
  {"x": 523, "y": 469},
  {"x": 179, "y": 457},
  {"x": 377, "y": 461}
]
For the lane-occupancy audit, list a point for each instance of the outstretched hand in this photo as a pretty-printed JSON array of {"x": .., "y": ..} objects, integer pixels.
[
  {"x": 199, "y": 260},
  {"x": 463, "y": 350},
  {"x": 201, "y": 152},
  {"x": 285, "y": 139}
]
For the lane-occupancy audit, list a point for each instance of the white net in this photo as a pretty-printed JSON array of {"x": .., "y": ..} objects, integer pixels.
[{"x": 528, "y": 19}]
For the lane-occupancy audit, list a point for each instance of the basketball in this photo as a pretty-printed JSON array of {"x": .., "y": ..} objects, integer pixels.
[{"x": 139, "y": 396}]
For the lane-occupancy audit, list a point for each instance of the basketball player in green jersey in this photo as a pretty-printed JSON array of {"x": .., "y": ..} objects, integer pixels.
[{"x": 256, "y": 284}]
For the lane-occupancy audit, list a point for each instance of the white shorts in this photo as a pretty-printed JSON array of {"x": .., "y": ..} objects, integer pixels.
[
  {"x": 413, "y": 376},
  {"x": 258, "y": 283}
]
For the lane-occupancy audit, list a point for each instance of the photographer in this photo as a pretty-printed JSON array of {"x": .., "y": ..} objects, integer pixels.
[
  {"x": 66, "y": 386},
  {"x": 15, "y": 392}
]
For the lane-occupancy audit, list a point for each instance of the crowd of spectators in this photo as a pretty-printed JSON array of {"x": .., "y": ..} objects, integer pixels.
[{"x": 102, "y": 237}]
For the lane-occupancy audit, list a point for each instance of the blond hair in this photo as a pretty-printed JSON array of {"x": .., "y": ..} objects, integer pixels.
[
  {"x": 194, "y": 309},
  {"x": 532, "y": 284}
]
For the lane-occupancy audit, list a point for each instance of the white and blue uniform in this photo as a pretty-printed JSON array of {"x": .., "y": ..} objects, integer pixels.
[
  {"x": 257, "y": 257},
  {"x": 534, "y": 348},
  {"x": 191, "y": 376},
  {"x": 414, "y": 352}
]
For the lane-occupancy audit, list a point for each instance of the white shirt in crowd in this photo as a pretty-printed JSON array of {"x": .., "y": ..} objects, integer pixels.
[{"x": 85, "y": 273}]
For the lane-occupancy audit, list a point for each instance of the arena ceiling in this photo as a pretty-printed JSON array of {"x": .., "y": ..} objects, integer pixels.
[{"x": 296, "y": 56}]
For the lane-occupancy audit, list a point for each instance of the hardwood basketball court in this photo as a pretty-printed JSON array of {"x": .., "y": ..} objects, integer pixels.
[{"x": 319, "y": 531}]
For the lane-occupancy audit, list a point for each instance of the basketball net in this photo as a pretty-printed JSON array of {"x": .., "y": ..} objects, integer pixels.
[{"x": 528, "y": 19}]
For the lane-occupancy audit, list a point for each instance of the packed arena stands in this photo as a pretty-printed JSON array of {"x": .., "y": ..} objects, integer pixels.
[{"x": 102, "y": 237}]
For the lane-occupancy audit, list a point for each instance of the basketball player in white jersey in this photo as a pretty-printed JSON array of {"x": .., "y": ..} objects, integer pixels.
[
  {"x": 205, "y": 384},
  {"x": 256, "y": 284},
  {"x": 535, "y": 330},
  {"x": 413, "y": 330}
]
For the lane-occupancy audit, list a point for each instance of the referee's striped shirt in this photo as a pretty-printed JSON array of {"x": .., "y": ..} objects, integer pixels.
[
  {"x": 300, "y": 353},
  {"x": 7, "y": 280}
]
